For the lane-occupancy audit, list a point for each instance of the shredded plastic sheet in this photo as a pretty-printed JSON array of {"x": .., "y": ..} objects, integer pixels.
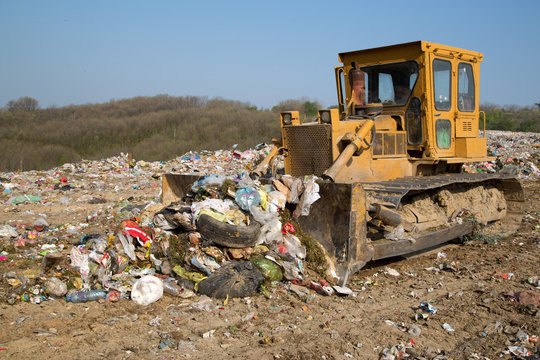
[
  {"x": 210, "y": 204},
  {"x": 309, "y": 196}
]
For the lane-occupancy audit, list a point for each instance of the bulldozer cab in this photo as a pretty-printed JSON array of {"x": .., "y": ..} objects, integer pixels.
[{"x": 431, "y": 90}]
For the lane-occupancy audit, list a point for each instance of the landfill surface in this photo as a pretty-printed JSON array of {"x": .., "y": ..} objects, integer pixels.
[{"x": 90, "y": 229}]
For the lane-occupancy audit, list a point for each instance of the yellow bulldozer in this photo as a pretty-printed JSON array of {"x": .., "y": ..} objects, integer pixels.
[{"x": 390, "y": 157}]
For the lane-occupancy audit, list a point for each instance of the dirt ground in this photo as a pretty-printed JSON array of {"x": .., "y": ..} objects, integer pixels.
[{"x": 469, "y": 295}]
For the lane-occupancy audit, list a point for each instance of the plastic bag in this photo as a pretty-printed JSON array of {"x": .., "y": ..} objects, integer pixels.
[
  {"x": 398, "y": 233},
  {"x": 8, "y": 231},
  {"x": 204, "y": 263},
  {"x": 56, "y": 287},
  {"x": 297, "y": 188},
  {"x": 162, "y": 223},
  {"x": 40, "y": 224},
  {"x": 261, "y": 216},
  {"x": 310, "y": 195},
  {"x": 127, "y": 244},
  {"x": 213, "y": 180},
  {"x": 216, "y": 215},
  {"x": 215, "y": 204},
  {"x": 79, "y": 260},
  {"x": 269, "y": 269},
  {"x": 245, "y": 181},
  {"x": 264, "y": 199},
  {"x": 270, "y": 233},
  {"x": 292, "y": 267},
  {"x": 276, "y": 200},
  {"x": 293, "y": 246},
  {"x": 147, "y": 290},
  {"x": 99, "y": 244},
  {"x": 247, "y": 197}
]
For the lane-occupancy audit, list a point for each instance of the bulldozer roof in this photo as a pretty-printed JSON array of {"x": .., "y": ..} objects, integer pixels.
[{"x": 421, "y": 46}]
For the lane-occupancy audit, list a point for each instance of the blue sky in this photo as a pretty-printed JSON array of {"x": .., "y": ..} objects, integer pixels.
[{"x": 75, "y": 52}]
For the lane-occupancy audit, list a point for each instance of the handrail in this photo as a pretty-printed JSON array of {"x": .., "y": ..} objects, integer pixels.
[{"x": 484, "y": 122}]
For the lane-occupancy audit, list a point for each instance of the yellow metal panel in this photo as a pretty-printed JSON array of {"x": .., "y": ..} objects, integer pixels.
[
  {"x": 471, "y": 147},
  {"x": 466, "y": 126},
  {"x": 369, "y": 170}
]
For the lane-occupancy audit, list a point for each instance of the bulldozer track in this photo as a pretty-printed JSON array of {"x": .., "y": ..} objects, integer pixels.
[{"x": 389, "y": 193}]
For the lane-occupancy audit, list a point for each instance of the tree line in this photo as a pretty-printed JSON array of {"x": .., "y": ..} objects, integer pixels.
[
  {"x": 162, "y": 127},
  {"x": 151, "y": 128},
  {"x": 512, "y": 118}
]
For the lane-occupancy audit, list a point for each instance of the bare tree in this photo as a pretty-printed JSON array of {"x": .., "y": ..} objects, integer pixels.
[{"x": 24, "y": 103}]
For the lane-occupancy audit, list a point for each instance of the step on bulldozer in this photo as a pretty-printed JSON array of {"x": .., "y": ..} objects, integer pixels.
[{"x": 390, "y": 157}]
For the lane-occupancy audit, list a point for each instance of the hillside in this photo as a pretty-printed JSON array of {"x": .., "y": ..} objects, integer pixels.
[{"x": 151, "y": 128}]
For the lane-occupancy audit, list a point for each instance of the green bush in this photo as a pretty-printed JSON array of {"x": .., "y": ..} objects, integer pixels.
[{"x": 512, "y": 118}]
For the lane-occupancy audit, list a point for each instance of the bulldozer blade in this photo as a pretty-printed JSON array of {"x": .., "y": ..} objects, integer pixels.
[
  {"x": 175, "y": 187},
  {"x": 338, "y": 222}
]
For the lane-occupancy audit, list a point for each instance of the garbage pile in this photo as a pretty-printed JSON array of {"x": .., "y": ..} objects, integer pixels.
[
  {"x": 95, "y": 230},
  {"x": 517, "y": 153}
]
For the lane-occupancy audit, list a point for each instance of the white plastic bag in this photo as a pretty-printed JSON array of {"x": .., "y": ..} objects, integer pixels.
[
  {"x": 294, "y": 246},
  {"x": 297, "y": 187},
  {"x": 270, "y": 233},
  {"x": 127, "y": 244},
  {"x": 213, "y": 180},
  {"x": 276, "y": 199},
  {"x": 8, "y": 231},
  {"x": 246, "y": 181},
  {"x": 79, "y": 260},
  {"x": 310, "y": 195},
  {"x": 261, "y": 216},
  {"x": 214, "y": 204},
  {"x": 147, "y": 290}
]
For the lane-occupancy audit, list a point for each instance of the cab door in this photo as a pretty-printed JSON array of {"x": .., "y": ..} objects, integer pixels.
[
  {"x": 467, "y": 106},
  {"x": 444, "y": 121}
]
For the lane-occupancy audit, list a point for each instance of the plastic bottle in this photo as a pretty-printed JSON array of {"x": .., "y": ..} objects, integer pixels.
[
  {"x": 170, "y": 287},
  {"x": 84, "y": 296}
]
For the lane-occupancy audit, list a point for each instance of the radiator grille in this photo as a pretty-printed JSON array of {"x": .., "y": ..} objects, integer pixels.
[
  {"x": 310, "y": 151},
  {"x": 389, "y": 143}
]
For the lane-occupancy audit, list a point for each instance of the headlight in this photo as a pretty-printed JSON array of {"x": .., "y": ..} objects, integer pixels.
[
  {"x": 287, "y": 119},
  {"x": 325, "y": 117}
]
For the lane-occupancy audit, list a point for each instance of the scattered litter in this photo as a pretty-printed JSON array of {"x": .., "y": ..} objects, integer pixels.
[
  {"x": 392, "y": 272},
  {"x": 447, "y": 327}
]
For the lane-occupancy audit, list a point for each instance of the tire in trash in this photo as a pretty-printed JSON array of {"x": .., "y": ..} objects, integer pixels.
[
  {"x": 234, "y": 279},
  {"x": 233, "y": 236}
]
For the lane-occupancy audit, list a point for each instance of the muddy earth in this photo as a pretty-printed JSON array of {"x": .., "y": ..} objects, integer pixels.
[{"x": 468, "y": 300}]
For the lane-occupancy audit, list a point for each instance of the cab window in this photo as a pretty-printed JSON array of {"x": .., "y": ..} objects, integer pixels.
[
  {"x": 442, "y": 84},
  {"x": 466, "y": 90},
  {"x": 390, "y": 84}
]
